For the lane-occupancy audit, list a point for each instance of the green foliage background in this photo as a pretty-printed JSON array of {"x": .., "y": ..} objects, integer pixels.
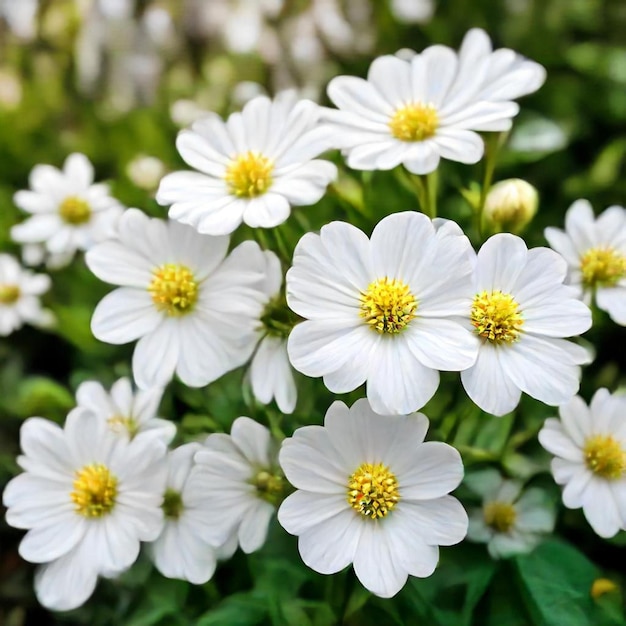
[{"x": 569, "y": 141}]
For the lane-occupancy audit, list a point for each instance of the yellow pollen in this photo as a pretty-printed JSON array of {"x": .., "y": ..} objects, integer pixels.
[
  {"x": 119, "y": 424},
  {"x": 249, "y": 175},
  {"x": 414, "y": 122},
  {"x": 602, "y": 267},
  {"x": 373, "y": 490},
  {"x": 9, "y": 294},
  {"x": 388, "y": 305},
  {"x": 500, "y": 516},
  {"x": 496, "y": 317},
  {"x": 270, "y": 487},
  {"x": 174, "y": 289},
  {"x": 605, "y": 457},
  {"x": 95, "y": 490},
  {"x": 74, "y": 210}
]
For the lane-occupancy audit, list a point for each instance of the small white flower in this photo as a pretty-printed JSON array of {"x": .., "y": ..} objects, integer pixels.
[
  {"x": 87, "y": 499},
  {"x": 271, "y": 375},
  {"x": 19, "y": 296},
  {"x": 415, "y": 111},
  {"x": 510, "y": 521},
  {"x": 69, "y": 212},
  {"x": 595, "y": 251},
  {"x": 241, "y": 484},
  {"x": 413, "y": 11},
  {"x": 194, "y": 310},
  {"x": 521, "y": 313},
  {"x": 181, "y": 551},
  {"x": 127, "y": 413},
  {"x": 371, "y": 492},
  {"x": 252, "y": 168},
  {"x": 384, "y": 310},
  {"x": 589, "y": 444}
]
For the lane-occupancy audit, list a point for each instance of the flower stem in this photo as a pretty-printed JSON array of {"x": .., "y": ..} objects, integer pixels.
[{"x": 493, "y": 142}]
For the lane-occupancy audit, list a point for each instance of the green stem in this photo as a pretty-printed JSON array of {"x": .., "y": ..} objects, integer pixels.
[{"x": 492, "y": 148}]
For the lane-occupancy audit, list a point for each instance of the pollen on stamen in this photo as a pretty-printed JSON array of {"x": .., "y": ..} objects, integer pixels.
[
  {"x": 249, "y": 175},
  {"x": 9, "y": 294},
  {"x": 500, "y": 516},
  {"x": 605, "y": 457},
  {"x": 415, "y": 122},
  {"x": 388, "y": 305},
  {"x": 74, "y": 210},
  {"x": 602, "y": 267},
  {"x": 496, "y": 316},
  {"x": 174, "y": 289},
  {"x": 95, "y": 490},
  {"x": 373, "y": 490}
]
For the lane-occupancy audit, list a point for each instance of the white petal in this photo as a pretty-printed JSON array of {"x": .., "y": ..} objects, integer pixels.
[
  {"x": 156, "y": 355},
  {"x": 500, "y": 260},
  {"x": 555, "y": 440},
  {"x": 600, "y": 508},
  {"x": 253, "y": 528},
  {"x": 303, "y": 510}
]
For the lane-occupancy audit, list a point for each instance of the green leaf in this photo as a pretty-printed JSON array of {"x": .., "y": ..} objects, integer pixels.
[{"x": 240, "y": 609}]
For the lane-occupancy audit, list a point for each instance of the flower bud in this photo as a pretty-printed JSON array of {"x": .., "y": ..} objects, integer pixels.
[{"x": 510, "y": 205}]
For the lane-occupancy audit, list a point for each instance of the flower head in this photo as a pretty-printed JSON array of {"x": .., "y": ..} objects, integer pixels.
[{"x": 371, "y": 492}]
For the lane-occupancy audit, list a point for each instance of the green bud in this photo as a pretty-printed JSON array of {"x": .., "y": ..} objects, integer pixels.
[{"x": 510, "y": 206}]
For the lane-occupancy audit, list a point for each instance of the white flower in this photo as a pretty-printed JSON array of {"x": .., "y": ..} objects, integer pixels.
[
  {"x": 510, "y": 521},
  {"x": 181, "y": 551},
  {"x": 126, "y": 413},
  {"x": 193, "y": 311},
  {"x": 418, "y": 110},
  {"x": 69, "y": 212},
  {"x": 19, "y": 296},
  {"x": 271, "y": 375},
  {"x": 595, "y": 251},
  {"x": 87, "y": 499},
  {"x": 589, "y": 444},
  {"x": 252, "y": 168},
  {"x": 413, "y": 11},
  {"x": 241, "y": 484},
  {"x": 371, "y": 493},
  {"x": 384, "y": 310},
  {"x": 521, "y": 312}
]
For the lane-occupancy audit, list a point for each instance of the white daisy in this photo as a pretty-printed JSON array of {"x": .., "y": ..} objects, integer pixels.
[
  {"x": 252, "y": 168},
  {"x": 415, "y": 111},
  {"x": 595, "y": 251},
  {"x": 521, "y": 312},
  {"x": 371, "y": 493},
  {"x": 87, "y": 499},
  {"x": 19, "y": 296},
  {"x": 271, "y": 375},
  {"x": 386, "y": 310},
  {"x": 181, "y": 551},
  {"x": 69, "y": 212},
  {"x": 510, "y": 521},
  {"x": 193, "y": 309},
  {"x": 240, "y": 472},
  {"x": 126, "y": 413},
  {"x": 589, "y": 444}
]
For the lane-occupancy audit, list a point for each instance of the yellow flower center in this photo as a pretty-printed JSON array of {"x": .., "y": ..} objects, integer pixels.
[
  {"x": 95, "y": 490},
  {"x": 9, "y": 294},
  {"x": 174, "y": 289},
  {"x": 414, "y": 122},
  {"x": 119, "y": 424},
  {"x": 172, "y": 504},
  {"x": 270, "y": 487},
  {"x": 496, "y": 316},
  {"x": 373, "y": 490},
  {"x": 500, "y": 516},
  {"x": 605, "y": 457},
  {"x": 602, "y": 266},
  {"x": 249, "y": 175},
  {"x": 388, "y": 305},
  {"x": 74, "y": 210}
]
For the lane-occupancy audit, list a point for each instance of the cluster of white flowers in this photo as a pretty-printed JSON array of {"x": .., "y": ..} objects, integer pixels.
[{"x": 389, "y": 311}]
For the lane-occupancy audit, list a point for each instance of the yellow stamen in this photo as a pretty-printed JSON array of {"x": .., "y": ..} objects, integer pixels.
[
  {"x": 9, "y": 294},
  {"x": 95, "y": 490},
  {"x": 496, "y": 317},
  {"x": 388, "y": 305},
  {"x": 414, "y": 122},
  {"x": 601, "y": 586},
  {"x": 602, "y": 267},
  {"x": 500, "y": 516},
  {"x": 174, "y": 289},
  {"x": 373, "y": 490},
  {"x": 120, "y": 424},
  {"x": 605, "y": 457},
  {"x": 249, "y": 175},
  {"x": 74, "y": 210}
]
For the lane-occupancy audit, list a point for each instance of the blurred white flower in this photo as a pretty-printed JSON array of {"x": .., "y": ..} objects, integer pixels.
[
  {"x": 510, "y": 521},
  {"x": 87, "y": 499},
  {"x": 589, "y": 446},
  {"x": 521, "y": 313},
  {"x": 21, "y": 16},
  {"x": 371, "y": 492},
  {"x": 384, "y": 310},
  {"x": 413, "y": 11},
  {"x": 69, "y": 212},
  {"x": 252, "y": 168},
  {"x": 194, "y": 310},
  {"x": 145, "y": 171},
  {"x": 19, "y": 297},
  {"x": 595, "y": 251}
]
